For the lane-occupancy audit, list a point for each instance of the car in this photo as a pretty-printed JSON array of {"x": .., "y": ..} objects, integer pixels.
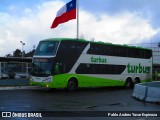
[{"x": 4, "y": 75}]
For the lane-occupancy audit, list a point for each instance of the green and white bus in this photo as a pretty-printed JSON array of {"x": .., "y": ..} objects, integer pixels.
[{"x": 71, "y": 63}]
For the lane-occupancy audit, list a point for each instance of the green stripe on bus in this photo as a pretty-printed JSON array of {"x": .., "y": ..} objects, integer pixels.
[{"x": 60, "y": 81}]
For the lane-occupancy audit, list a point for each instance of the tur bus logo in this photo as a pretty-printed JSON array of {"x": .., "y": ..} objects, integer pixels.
[
  {"x": 98, "y": 60},
  {"x": 138, "y": 68}
]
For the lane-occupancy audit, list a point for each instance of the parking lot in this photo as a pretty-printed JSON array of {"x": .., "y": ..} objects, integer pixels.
[{"x": 92, "y": 101}]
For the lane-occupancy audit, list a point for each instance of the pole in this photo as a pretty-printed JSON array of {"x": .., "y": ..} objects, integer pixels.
[
  {"x": 27, "y": 70},
  {"x": 22, "y": 48},
  {"x": 22, "y": 51},
  {"x": 77, "y": 6},
  {"x": 0, "y": 70}
]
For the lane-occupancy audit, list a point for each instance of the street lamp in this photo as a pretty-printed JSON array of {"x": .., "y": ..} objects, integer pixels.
[{"x": 22, "y": 48}]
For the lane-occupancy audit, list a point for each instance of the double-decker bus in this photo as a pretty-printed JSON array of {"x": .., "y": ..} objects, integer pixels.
[{"x": 77, "y": 63}]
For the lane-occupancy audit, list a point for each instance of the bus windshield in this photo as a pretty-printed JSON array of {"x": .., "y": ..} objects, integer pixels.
[
  {"x": 41, "y": 67},
  {"x": 46, "y": 48}
]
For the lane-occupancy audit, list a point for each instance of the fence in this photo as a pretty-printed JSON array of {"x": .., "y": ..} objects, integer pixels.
[{"x": 14, "y": 70}]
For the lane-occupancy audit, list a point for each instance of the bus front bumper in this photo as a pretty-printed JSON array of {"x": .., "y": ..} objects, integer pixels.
[{"x": 41, "y": 81}]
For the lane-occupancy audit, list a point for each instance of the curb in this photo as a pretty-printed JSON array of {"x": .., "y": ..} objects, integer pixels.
[
  {"x": 21, "y": 88},
  {"x": 147, "y": 92}
]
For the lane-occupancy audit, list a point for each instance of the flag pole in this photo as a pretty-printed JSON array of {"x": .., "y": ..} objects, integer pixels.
[{"x": 77, "y": 6}]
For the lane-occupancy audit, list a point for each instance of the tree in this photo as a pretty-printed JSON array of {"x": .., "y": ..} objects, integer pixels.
[
  {"x": 17, "y": 53},
  {"x": 9, "y": 55},
  {"x": 30, "y": 54}
]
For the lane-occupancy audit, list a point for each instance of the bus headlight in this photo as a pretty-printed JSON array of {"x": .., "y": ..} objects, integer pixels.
[{"x": 49, "y": 79}]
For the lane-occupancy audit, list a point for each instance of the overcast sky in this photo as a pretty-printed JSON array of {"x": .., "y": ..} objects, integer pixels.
[{"x": 115, "y": 21}]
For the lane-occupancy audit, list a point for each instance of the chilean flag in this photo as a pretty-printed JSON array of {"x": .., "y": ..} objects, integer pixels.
[{"x": 66, "y": 13}]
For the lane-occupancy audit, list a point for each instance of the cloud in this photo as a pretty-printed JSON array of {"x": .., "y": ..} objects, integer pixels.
[
  {"x": 30, "y": 27},
  {"x": 121, "y": 28},
  {"x": 149, "y": 8},
  {"x": 33, "y": 25}
]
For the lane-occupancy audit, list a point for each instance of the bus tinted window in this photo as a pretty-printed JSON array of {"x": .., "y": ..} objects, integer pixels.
[
  {"x": 100, "y": 69},
  {"x": 113, "y": 50},
  {"x": 69, "y": 52},
  {"x": 46, "y": 48}
]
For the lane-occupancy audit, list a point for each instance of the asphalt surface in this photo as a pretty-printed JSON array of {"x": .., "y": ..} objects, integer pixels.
[{"x": 92, "y": 101}]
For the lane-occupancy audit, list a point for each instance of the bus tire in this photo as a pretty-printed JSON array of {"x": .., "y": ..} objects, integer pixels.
[
  {"x": 128, "y": 83},
  {"x": 72, "y": 84},
  {"x": 137, "y": 80}
]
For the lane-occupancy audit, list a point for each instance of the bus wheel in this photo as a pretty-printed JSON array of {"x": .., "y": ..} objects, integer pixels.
[
  {"x": 136, "y": 80},
  {"x": 129, "y": 83},
  {"x": 72, "y": 84}
]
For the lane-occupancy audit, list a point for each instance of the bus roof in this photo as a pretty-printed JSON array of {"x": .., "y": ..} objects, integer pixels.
[{"x": 96, "y": 42}]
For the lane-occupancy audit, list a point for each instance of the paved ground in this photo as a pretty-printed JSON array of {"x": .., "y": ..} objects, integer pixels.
[{"x": 108, "y": 100}]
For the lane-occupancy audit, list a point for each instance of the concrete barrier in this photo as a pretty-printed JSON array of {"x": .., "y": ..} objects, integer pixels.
[
  {"x": 153, "y": 94},
  {"x": 140, "y": 91},
  {"x": 14, "y": 82},
  {"x": 18, "y": 84},
  {"x": 149, "y": 91},
  {"x": 22, "y": 88}
]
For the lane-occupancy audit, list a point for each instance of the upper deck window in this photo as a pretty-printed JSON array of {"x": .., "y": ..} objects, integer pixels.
[{"x": 46, "y": 48}]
